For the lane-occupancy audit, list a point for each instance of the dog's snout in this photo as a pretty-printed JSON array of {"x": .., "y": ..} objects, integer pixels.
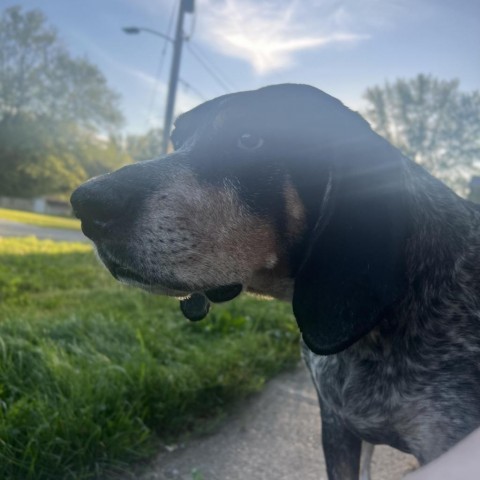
[
  {"x": 97, "y": 203},
  {"x": 107, "y": 203}
]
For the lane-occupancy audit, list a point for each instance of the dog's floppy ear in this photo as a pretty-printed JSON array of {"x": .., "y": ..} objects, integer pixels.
[{"x": 353, "y": 269}]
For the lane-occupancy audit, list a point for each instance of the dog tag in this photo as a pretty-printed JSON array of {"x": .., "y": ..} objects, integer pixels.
[
  {"x": 225, "y": 293},
  {"x": 195, "y": 307}
]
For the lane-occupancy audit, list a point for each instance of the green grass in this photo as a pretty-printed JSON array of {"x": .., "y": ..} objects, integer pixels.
[
  {"x": 94, "y": 375},
  {"x": 40, "y": 220}
]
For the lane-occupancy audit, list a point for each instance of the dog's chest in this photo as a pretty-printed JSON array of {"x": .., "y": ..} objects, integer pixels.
[{"x": 368, "y": 397}]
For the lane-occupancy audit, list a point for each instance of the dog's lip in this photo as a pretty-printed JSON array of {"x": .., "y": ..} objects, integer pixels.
[
  {"x": 130, "y": 276},
  {"x": 224, "y": 293},
  {"x": 123, "y": 273}
]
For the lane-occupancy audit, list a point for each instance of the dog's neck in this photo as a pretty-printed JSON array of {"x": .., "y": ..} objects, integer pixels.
[
  {"x": 441, "y": 254},
  {"x": 272, "y": 283},
  {"x": 443, "y": 227}
]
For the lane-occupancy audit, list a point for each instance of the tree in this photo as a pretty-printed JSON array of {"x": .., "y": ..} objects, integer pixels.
[
  {"x": 32, "y": 160},
  {"x": 38, "y": 76},
  {"x": 100, "y": 155},
  {"x": 50, "y": 105},
  {"x": 432, "y": 122},
  {"x": 145, "y": 147}
]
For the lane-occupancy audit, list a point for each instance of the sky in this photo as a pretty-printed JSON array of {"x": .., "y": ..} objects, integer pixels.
[{"x": 339, "y": 46}]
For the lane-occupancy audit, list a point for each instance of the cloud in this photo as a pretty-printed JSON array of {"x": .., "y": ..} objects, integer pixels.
[{"x": 268, "y": 34}]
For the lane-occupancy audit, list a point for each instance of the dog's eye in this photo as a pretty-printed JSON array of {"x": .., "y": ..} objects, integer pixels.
[{"x": 250, "y": 141}]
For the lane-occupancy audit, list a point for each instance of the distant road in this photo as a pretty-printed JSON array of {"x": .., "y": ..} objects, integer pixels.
[{"x": 17, "y": 229}]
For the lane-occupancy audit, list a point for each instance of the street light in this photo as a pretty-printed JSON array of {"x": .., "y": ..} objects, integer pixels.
[
  {"x": 186, "y": 6},
  {"x": 137, "y": 30}
]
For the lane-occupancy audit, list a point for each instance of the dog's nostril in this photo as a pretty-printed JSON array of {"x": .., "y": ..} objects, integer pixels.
[
  {"x": 98, "y": 201},
  {"x": 94, "y": 229}
]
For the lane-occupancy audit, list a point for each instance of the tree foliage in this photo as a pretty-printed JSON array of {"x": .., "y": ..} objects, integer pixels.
[
  {"x": 38, "y": 75},
  {"x": 52, "y": 108},
  {"x": 145, "y": 147},
  {"x": 99, "y": 155},
  {"x": 33, "y": 161},
  {"x": 432, "y": 122}
]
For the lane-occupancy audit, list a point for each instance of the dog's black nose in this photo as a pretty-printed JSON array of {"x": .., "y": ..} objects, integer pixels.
[
  {"x": 106, "y": 204},
  {"x": 98, "y": 204}
]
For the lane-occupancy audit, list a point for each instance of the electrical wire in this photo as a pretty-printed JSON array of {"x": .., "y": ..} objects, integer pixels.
[
  {"x": 195, "y": 90},
  {"x": 224, "y": 83},
  {"x": 212, "y": 65}
]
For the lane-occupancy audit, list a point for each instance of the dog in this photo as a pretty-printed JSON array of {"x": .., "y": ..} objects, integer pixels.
[{"x": 285, "y": 192}]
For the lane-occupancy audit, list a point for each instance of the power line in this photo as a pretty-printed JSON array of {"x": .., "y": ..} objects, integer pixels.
[
  {"x": 193, "y": 89},
  {"x": 210, "y": 69},
  {"x": 225, "y": 77},
  {"x": 212, "y": 65}
]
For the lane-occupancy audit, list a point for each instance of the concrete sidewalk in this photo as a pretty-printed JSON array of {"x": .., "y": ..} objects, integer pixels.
[{"x": 273, "y": 436}]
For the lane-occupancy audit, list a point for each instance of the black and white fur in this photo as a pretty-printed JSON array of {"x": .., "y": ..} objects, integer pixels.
[{"x": 285, "y": 192}]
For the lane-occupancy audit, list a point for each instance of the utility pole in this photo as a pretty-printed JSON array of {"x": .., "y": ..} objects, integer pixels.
[{"x": 186, "y": 6}]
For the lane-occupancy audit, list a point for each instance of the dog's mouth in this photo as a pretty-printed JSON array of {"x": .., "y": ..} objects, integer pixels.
[
  {"x": 124, "y": 274},
  {"x": 131, "y": 276},
  {"x": 194, "y": 304}
]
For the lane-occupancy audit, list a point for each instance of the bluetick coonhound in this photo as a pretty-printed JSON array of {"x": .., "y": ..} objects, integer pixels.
[{"x": 285, "y": 192}]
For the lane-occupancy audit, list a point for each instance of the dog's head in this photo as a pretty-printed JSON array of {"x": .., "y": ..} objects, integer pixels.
[{"x": 282, "y": 191}]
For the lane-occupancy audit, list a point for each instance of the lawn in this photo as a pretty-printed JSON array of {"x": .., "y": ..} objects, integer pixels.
[
  {"x": 39, "y": 219},
  {"x": 94, "y": 376}
]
